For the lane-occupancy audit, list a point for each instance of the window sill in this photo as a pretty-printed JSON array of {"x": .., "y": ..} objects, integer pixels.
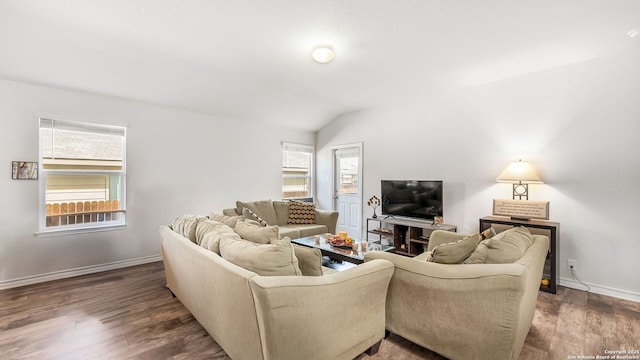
[{"x": 75, "y": 231}]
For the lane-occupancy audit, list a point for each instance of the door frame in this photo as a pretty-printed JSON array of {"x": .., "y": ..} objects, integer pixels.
[{"x": 334, "y": 148}]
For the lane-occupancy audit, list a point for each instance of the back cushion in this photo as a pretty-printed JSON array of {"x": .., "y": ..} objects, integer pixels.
[
  {"x": 264, "y": 209},
  {"x": 276, "y": 259},
  {"x": 505, "y": 247},
  {"x": 226, "y": 219},
  {"x": 186, "y": 224},
  {"x": 282, "y": 211},
  {"x": 257, "y": 234},
  {"x": 209, "y": 233}
]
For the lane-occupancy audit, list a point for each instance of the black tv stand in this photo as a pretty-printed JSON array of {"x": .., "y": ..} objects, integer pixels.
[{"x": 409, "y": 236}]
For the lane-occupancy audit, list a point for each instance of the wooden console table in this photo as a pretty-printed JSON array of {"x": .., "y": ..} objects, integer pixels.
[
  {"x": 551, "y": 229},
  {"x": 409, "y": 237}
]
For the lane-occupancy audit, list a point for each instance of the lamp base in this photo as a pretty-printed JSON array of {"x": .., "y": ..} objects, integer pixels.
[{"x": 520, "y": 191}]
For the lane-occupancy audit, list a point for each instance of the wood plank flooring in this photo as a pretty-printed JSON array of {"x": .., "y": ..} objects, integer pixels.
[{"x": 129, "y": 314}]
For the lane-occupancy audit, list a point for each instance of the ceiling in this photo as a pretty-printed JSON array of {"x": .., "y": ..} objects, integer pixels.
[{"x": 250, "y": 60}]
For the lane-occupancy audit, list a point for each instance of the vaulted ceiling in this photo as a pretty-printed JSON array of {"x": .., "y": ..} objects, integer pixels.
[{"x": 250, "y": 60}]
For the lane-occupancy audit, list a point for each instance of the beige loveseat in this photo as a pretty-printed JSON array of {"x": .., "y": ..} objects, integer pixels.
[
  {"x": 338, "y": 315},
  {"x": 277, "y": 213},
  {"x": 464, "y": 311}
]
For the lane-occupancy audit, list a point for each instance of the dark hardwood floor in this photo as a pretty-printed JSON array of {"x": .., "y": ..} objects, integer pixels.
[{"x": 129, "y": 314}]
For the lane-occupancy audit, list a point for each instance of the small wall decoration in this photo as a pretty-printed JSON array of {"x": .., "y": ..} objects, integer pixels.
[{"x": 24, "y": 170}]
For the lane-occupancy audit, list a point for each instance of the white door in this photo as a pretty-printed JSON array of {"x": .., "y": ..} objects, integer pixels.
[{"x": 347, "y": 187}]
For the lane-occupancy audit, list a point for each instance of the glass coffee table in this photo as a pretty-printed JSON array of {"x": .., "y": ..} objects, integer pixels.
[{"x": 338, "y": 253}]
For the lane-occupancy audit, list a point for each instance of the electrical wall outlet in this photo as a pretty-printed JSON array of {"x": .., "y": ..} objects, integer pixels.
[{"x": 572, "y": 265}]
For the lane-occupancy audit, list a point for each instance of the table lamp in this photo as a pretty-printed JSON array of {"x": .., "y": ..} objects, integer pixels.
[{"x": 520, "y": 174}]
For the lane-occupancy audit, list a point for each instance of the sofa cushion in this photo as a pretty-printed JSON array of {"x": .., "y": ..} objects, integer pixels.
[
  {"x": 310, "y": 229},
  {"x": 276, "y": 259},
  {"x": 250, "y": 215},
  {"x": 226, "y": 219},
  {"x": 309, "y": 260},
  {"x": 454, "y": 252},
  {"x": 282, "y": 211},
  {"x": 186, "y": 224},
  {"x": 505, "y": 247},
  {"x": 263, "y": 208},
  {"x": 209, "y": 233},
  {"x": 257, "y": 234},
  {"x": 289, "y": 231},
  {"x": 301, "y": 213}
]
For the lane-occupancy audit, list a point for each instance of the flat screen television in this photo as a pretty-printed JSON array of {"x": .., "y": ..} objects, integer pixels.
[{"x": 421, "y": 199}]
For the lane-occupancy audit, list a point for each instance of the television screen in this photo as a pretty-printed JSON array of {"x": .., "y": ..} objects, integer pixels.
[{"x": 412, "y": 198}]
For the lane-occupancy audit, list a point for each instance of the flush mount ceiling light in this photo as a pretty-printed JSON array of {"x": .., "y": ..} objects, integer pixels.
[
  {"x": 322, "y": 54},
  {"x": 634, "y": 33}
]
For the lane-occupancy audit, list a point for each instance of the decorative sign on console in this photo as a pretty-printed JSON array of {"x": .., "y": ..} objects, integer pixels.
[{"x": 521, "y": 209}]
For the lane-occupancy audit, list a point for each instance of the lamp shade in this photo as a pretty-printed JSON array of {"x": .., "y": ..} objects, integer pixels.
[{"x": 520, "y": 172}]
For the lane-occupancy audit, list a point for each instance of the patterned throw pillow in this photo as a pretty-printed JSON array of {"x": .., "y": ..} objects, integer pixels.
[
  {"x": 247, "y": 213},
  {"x": 301, "y": 213}
]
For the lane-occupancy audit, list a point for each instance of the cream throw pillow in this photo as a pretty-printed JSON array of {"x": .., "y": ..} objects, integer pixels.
[
  {"x": 276, "y": 259},
  {"x": 454, "y": 252},
  {"x": 309, "y": 260},
  {"x": 257, "y": 234}
]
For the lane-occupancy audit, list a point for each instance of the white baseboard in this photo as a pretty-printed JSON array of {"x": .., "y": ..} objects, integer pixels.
[
  {"x": 602, "y": 290},
  {"x": 57, "y": 275}
]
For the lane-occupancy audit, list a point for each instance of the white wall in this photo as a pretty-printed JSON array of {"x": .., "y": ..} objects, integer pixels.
[
  {"x": 177, "y": 162},
  {"x": 578, "y": 124}
]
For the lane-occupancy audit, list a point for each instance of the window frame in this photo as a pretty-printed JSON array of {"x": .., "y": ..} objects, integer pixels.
[
  {"x": 303, "y": 148},
  {"x": 96, "y": 226}
]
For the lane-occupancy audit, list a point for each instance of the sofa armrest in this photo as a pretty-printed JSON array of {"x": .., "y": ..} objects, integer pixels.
[
  {"x": 438, "y": 237},
  {"x": 328, "y": 218},
  {"x": 295, "y": 313}
]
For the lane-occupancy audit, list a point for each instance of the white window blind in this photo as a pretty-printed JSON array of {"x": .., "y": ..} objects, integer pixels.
[
  {"x": 82, "y": 182},
  {"x": 297, "y": 171}
]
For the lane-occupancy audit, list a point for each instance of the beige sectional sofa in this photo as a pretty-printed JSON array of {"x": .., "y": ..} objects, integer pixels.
[
  {"x": 336, "y": 315},
  {"x": 277, "y": 213},
  {"x": 481, "y": 309}
]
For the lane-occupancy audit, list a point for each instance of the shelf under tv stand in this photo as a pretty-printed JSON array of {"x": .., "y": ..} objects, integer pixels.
[{"x": 410, "y": 237}]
